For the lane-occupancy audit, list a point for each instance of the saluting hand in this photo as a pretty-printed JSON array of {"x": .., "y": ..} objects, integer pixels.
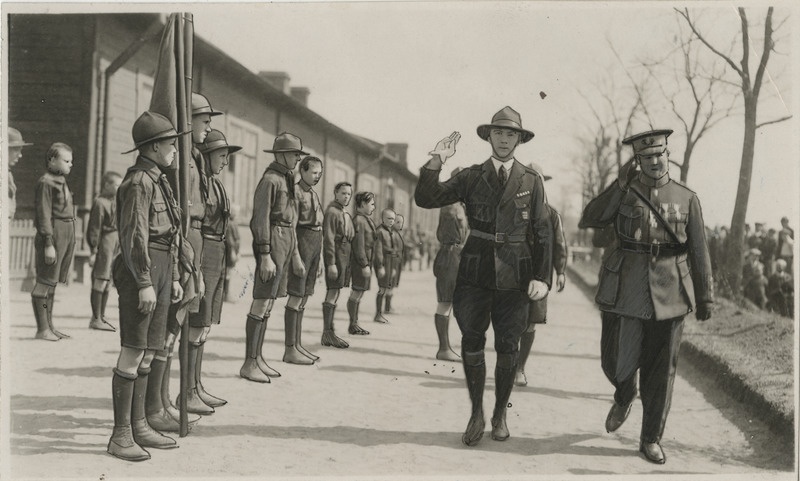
[
  {"x": 177, "y": 292},
  {"x": 50, "y": 255},
  {"x": 627, "y": 173},
  {"x": 537, "y": 290},
  {"x": 147, "y": 299},
  {"x": 446, "y": 147},
  {"x": 266, "y": 270}
]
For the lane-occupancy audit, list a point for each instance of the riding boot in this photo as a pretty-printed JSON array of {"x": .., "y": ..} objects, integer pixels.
[
  {"x": 250, "y": 370},
  {"x": 378, "y": 310},
  {"x": 51, "y": 300},
  {"x": 445, "y": 352},
  {"x": 194, "y": 404},
  {"x": 97, "y": 322},
  {"x": 329, "y": 337},
  {"x": 158, "y": 417},
  {"x": 262, "y": 364},
  {"x": 122, "y": 444},
  {"x": 170, "y": 408},
  {"x": 525, "y": 344},
  {"x": 475, "y": 373},
  {"x": 143, "y": 434},
  {"x": 207, "y": 398},
  {"x": 42, "y": 325},
  {"x": 352, "y": 311},
  {"x": 504, "y": 373},
  {"x": 291, "y": 354},
  {"x": 298, "y": 342}
]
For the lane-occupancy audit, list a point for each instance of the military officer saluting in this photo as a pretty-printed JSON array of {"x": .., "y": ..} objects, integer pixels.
[
  {"x": 659, "y": 272},
  {"x": 505, "y": 262}
]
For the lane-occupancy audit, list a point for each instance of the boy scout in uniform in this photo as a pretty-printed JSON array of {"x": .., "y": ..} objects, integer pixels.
[
  {"x": 505, "y": 262},
  {"x": 538, "y": 309},
  {"x": 215, "y": 151},
  {"x": 337, "y": 234},
  {"x": 15, "y": 145},
  {"x": 659, "y": 272},
  {"x": 361, "y": 257},
  {"x": 309, "y": 246},
  {"x": 101, "y": 235},
  {"x": 400, "y": 245},
  {"x": 451, "y": 233},
  {"x": 55, "y": 237},
  {"x": 147, "y": 280},
  {"x": 385, "y": 262},
  {"x": 275, "y": 248}
]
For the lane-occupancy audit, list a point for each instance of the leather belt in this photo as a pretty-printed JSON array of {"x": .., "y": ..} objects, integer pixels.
[
  {"x": 281, "y": 224},
  {"x": 65, "y": 219},
  {"x": 316, "y": 228},
  {"x": 499, "y": 237},
  {"x": 214, "y": 237},
  {"x": 159, "y": 246},
  {"x": 655, "y": 250},
  {"x": 195, "y": 223}
]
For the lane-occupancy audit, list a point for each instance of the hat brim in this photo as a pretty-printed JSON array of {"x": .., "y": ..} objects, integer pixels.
[
  {"x": 649, "y": 133},
  {"x": 485, "y": 130},
  {"x": 231, "y": 149},
  {"x": 212, "y": 113},
  {"x": 284, "y": 151},
  {"x": 156, "y": 138}
]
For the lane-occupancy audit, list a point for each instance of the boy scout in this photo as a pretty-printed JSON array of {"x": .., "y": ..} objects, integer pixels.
[
  {"x": 15, "y": 145},
  {"x": 215, "y": 151},
  {"x": 274, "y": 246},
  {"x": 147, "y": 280},
  {"x": 451, "y": 233},
  {"x": 361, "y": 257},
  {"x": 385, "y": 262},
  {"x": 400, "y": 245},
  {"x": 659, "y": 271},
  {"x": 505, "y": 262},
  {"x": 337, "y": 234},
  {"x": 538, "y": 310},
  {"x": 101, "y": 235},
  {"x": 309, "y": 246},
  {"x": 55, "y": 237}
]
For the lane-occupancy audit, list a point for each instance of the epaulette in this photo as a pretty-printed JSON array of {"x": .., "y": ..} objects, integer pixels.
[{"x": 136, "y": 177}]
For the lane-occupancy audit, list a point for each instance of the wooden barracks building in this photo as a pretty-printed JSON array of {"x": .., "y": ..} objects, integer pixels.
[{"x": 84, "y": 79}]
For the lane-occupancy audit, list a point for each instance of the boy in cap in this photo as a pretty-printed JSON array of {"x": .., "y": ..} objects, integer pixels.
[
  {"x": 147, "y": 279},
  {"x": 55, "y": 237},
  {"x": 505, "y": 262},
  {"x": 101, "y": 235},
  {"x": 274, "y": 247},
  {"x": 15, "y": 145},
  {"x": 337, "y": 234},
  {"x": 659, "y": 272}
]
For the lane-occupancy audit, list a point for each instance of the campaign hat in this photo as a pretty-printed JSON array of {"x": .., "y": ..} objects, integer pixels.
[
  {"x": 652, "y": 142},
  {"x": 216, "y": 140},
  {"x": 151, "y": 127},
  {"x": 286, "y": 142},
  {"x": 201, "y": 105},
  {"x": 15, "y": 138},
  {"x": 505, "y": 118}
]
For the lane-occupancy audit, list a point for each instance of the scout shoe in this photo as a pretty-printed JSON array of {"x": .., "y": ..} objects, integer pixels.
[
  {"x": 499, "y": 428},
  {"x": 616, "y": 416},
  {"x": 653, "y": 452},
  {"x": 520, "y": 379},
  {"x": 124, "y": 447},
  {"x": 147, "y": 437}
]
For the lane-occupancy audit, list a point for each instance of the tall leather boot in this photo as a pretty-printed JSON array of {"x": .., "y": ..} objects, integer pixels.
[
  {"x": 504, "y": 373},
  {"x": 389, "y": 305},
  {"x": 42, "y": 325},
  {"x": 250, "y": 370},
  {"x": 122, "y": 444},
  {"x": 143, "y": 434},
  {"x": 352, "y": 311},
  {"x": 51, "y": 300},
  {"x": 97, "y": 322},
  {"x": 298, "y": 342},
  {"x": 166, "y": 400},
  {"x": 378, "y": 310},
  {"x": 475, "y": 373},
  {"x": 525, "y": 345},
  {"x": 445, "y": 352},
  {"x": 208, "y": 399},
  {"x": 329, "y": 337},
  {"x": 291, "y": 354},
  {"x": 262, "y": 363},
  {"x": 193, "y": 402},
  {"x": 158, "y": 417}
]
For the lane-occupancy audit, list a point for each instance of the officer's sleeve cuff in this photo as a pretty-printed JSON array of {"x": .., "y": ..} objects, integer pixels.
[
  {"x": 48, "y": 241},
  {"x": 263, "y": 248}
]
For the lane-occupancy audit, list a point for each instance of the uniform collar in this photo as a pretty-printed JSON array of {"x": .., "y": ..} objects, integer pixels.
[
  {"x": 336, "y": 205},
  {"x": 304, "y": 186},
  {"x": 56, "y": 178},
  {"x": 277, "y": 167},
  {"x": 149, "y": 166},
  {"x": 499, "y": 163},
  {"x": 654, "y": 183}
]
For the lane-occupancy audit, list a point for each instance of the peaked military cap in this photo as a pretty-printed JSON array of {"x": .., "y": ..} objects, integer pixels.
[
  {"x": 15, "y": 138},
  {"x": 216, "y": 140},
  {"x": 150, "y": 127},
  {"x": 651, "y": 142},
  {"x": 506, "y": 118},
  {"x": 201, "y": 105},
  {"x": 286, "y": 142}
]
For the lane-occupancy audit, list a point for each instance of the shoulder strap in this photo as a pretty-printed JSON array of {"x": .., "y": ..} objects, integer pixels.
[{"x": 657, "y": 214}]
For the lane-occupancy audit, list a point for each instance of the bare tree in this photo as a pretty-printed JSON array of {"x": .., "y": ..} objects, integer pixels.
[{"x": 751, "y": 88}]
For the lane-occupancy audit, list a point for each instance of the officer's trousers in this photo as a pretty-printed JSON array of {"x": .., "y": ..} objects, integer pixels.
[
  {"x": 475, "y": 307},
  {"x": 628, "y": 344}
]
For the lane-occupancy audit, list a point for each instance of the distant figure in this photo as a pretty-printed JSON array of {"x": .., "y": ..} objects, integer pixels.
[
  {"x": 101, "y": 235},
  {"x": 768, "y": 247},
  {"x": 756, "y": 288},
  {"x": 751, "y": 263},
  {"x": 780, "y": 289},
  {"x": 55, "y": 237},
  {"x": 15, "y": 145},
  {"x": 400, "y": 247},
  {"x": 785, "y": 248}
]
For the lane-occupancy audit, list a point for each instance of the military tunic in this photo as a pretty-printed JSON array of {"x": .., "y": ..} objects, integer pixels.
[
  {"x": 538, "y": 311},
  {"x": 101, "y": 235},
  {"x": 363, "y": 251},
  {"x": 309, "y": 239},
  {"x": 55, "y": 226},
  {"x": 273, "y": 228},
  {"x": 451, "y": 233},
  {"x": 148, "y": 223},
  {"x": 337, "y": 234}
]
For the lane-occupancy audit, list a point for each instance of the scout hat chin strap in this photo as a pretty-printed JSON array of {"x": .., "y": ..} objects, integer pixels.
[{"x": 657, "y": 214}]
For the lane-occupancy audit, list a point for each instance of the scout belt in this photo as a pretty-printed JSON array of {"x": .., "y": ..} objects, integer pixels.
[
  {"x": 280, "y": 224},
  {"x": 499, "y": 237},
  {"x": 655, "y": 250},
  {"x": 316, "y": 228},
  {"x": 214, "y": 237},
  {"x": 195, "y": 223}
]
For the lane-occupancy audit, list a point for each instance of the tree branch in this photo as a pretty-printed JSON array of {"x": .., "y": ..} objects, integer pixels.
[
  {"x": 685, "y": 14},
  {"x": 782, "y": 119}
]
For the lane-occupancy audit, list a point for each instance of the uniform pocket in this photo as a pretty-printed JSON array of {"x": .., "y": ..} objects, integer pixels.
[
  {"x": 522, "y": 211},
  {"x": 629, "y": 221},
  {"x": 160, "y": 214},
  {"x": 480, "y": 211},
  {"x": 608, "y": 287},
  {"x": 468, "y": 268},
  {"x": 524, "y": 271}
]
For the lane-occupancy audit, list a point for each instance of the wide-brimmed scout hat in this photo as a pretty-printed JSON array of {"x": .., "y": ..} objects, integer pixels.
[
  {"x": 201, "y": 105},
  {"x": 150, "y": 127},
  {"x": 506, "y": 118},
  {"x": 286, "y": 142},
  {"x": 652, "y": 142},
  {"x": 15, "y": 138},
  {"x": 538, "y": 168},
  {"x": 216, "y": 140}
]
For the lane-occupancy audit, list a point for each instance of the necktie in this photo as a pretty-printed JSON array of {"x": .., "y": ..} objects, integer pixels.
[{"x": 503, "y": 176}]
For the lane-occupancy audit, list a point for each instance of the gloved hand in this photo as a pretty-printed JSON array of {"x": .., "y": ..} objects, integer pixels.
[{"x": 627, "y": 173}]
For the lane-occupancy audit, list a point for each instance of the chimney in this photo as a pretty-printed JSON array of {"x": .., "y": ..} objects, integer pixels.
[
  {"x": 400, "y": 151},
  {"x": 279, "y": 80},
  {"x": 300, "y": 94}
]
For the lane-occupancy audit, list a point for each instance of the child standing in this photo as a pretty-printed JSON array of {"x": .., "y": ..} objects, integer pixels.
[{"x": 103, "y": 240}]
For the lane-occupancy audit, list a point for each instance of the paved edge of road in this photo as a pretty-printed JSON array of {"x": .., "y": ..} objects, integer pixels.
[{"x": 718, "y": 372}]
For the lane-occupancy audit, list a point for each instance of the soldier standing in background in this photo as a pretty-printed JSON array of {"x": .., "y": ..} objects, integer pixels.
[
  {"x": 361, "y": 257},
  {"x": 102, "y": 238},
  {"x": 451, "y": 233},
  {"x": 309, "y": 245},
  {"x": 55, "y": 237},
  {"x": 659, "y": 272},
  {"x": 385, "y": 263},
  {"x": 15, "y": 145},
  {"x": 337, "y": 234},
  {"x": 785, "y": 248}
]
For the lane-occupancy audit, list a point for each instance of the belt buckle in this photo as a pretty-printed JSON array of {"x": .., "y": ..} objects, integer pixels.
[
  {"x": 657, "y": 250},
  {"x": 500, "y": 237}
]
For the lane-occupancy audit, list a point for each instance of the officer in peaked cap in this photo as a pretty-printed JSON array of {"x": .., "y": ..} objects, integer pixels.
[
  {"x": 658, "y": 273},
  {"x": 505, "y": 262},
  {"x": 15, "y": 145},
  {"x": 147, "y": 279}
]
